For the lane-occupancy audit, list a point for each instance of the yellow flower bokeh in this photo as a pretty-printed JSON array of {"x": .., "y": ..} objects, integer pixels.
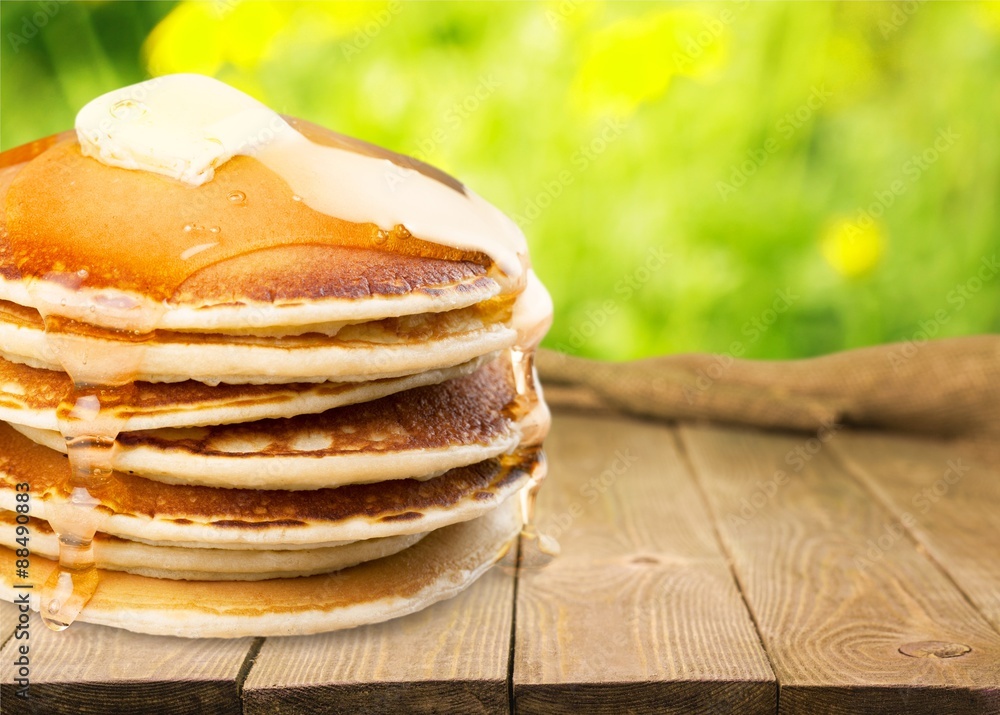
[
  {"x": 853, "y": 248},
  {"x": 988, "y": 15},
  {"x": 206, "y": 37},
  {"x": 633, "y": 60}
]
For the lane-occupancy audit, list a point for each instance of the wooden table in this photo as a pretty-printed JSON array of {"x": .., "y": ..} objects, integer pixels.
[{"x": 704, "y": 569}]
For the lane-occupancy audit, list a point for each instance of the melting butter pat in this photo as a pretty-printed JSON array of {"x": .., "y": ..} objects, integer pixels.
[
  {"x": 181, "y": 126},
  {"x": 185, "y": 126}
]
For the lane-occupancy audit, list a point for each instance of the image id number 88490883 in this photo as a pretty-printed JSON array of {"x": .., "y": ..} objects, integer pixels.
[{"x": 22, "y": 566}]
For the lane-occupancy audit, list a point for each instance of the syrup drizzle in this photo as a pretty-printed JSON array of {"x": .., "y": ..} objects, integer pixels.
[
  {"x": 90, "y": 421},
  {"x": 73, "y": 583},
  {"x": 531, "y": 318}
]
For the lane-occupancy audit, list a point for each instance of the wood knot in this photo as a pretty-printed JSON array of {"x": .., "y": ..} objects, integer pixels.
[
  {"x": 934, "y": 649},
  {"x": 645, "y": 561}
]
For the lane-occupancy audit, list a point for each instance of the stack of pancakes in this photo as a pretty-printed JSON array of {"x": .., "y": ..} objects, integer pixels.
[{"x": 324, "y": 428}]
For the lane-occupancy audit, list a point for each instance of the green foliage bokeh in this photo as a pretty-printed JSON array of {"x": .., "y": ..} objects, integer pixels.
[{"x": 773, "y": 180}]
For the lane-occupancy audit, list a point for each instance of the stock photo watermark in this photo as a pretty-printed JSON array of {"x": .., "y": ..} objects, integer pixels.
[
  {"x": 622, "y": 460},
  {"x": 563, "y": 10},
  {"x": 796, "y": 458},
  {"x": 365, "y": 34},
  {"x": 713, "y": 28},
  {"x": 909, "y": 173},
  {"x": 32, "y": 23},
  {"x": 956, "y": 299},
  {"x": 752, "y": 330},
  {"x": 580, "y": 161},
  {"x": 785, "y": 128},
  {"x": 625, "y": 288},
  {"x": 452, "y": 118},
  {"x": 894, "y": 530},
  {"x": 901, "y": 14},
  {"x": 23, "y": 587}
]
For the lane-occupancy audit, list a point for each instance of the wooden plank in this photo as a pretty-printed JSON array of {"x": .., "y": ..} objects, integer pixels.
[
  {"x": 796, "y": 526},
  {"x": 8, "y": 620},
  {"x": 947, "y": 496},
  {"x": 451, "y": 657},
  {"x": 89, "y": 669},
  {"x": 640, "y": 612}
]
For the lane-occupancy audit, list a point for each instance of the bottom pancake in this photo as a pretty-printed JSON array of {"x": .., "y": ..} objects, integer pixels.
[
  {"x": 439, "y": 566},
  {"x": 178, "y": 561}
]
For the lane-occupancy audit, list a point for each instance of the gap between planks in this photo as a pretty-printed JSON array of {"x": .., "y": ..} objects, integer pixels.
[
  {"x": 91, "y": 669},
  {"x": 451, "y": 656},
  {"x": 833, "y": 632},
  {"x": 511, "y": 709},
  {"x": 709, "y": 509},
  {"x": 640, "y": 612},
  {"x": 934, "y": 534}
]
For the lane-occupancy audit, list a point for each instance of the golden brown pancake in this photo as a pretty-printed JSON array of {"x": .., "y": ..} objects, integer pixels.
[
  {"x": 439, "y": 566},
  {"x": 205, "y": 253},
  {"x": 173, "y": 561},
  {"x": 392, "y": 347},
  {"x": 417, "y": 433},
  {"x": 145, "y": 509},
  {"x": 31, "y": 396}
]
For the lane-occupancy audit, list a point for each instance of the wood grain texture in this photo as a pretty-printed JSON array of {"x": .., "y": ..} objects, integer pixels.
[
  {"x": 89, "y": 669},
  {"x": 640, "y": 612},
  {"x": 949, "y": 495},
  {"x": 451, "y": 657},
  {"x": 797, "y": 527},
  {"x": 8, "y": 620}
]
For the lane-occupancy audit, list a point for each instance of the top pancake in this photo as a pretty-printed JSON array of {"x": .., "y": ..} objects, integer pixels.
[{"x": 237, "y": 252}]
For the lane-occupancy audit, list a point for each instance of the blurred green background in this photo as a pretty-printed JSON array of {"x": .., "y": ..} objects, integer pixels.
[{"x": 773, "y": 180}]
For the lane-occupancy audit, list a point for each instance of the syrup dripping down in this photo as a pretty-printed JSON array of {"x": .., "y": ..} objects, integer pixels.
[
  {"x": 73, "y": 583},
  {"x": 90, "y": 420}
]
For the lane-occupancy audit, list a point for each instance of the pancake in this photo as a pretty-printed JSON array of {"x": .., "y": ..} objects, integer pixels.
[
  {"x": 140, "y": 508},
  {"x": 439, "y": 566},
  {"x": 390, "y": 438},
  {"x": 393, "y": 347},
  {"x": 31, "y": 396},
  {"x": 264, "y": 260},
  {"x": 206, "y": 564}
]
